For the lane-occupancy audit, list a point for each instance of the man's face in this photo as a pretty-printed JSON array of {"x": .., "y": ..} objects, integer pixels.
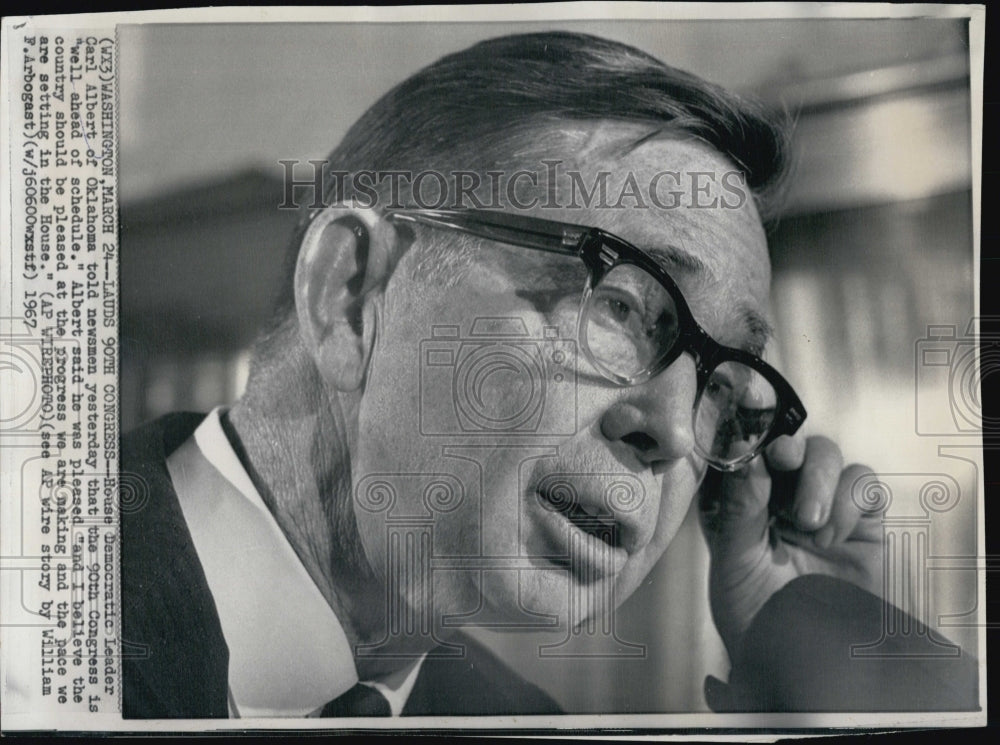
[{"x": 538, "y": 484}]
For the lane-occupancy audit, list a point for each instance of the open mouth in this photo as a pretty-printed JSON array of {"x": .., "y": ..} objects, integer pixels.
[{"x": 592, "y": 520}]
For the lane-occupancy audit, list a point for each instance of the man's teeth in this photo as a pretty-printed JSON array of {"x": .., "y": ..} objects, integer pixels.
[{"x": 598, "y": 523}]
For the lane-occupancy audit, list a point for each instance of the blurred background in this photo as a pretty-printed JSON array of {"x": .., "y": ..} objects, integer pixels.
[{"x": 875, "y": 246}]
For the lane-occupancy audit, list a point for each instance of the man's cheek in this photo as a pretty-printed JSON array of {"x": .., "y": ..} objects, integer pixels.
[
  {"x": 433, "y": 503},
  {"x": 503, "y": 392},
  {"x": 680, "y": 485}
]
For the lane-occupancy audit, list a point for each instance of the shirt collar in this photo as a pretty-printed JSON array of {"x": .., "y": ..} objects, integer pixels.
[{"x": 288, "y": 653}]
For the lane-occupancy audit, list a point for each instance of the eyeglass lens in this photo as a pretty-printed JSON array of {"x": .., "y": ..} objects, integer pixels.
[
  {"x": 630, "y": 323},
  {"x": 734, "y": 412}
]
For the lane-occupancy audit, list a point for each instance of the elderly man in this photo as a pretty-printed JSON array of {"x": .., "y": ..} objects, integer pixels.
[{"x": 498, "y": 403}]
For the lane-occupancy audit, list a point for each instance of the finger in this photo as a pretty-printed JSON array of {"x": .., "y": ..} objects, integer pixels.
[
  {"x": 735, "y": 515},
  {"x": 784, "y": 458},
  {"x": 786, "y": 453},
  {"x": 817, "y": 484},
  {"x": 845, "y": 514}
]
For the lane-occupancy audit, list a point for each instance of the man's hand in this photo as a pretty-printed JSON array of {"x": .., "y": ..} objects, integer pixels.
[{"x": 786, "y": 514}]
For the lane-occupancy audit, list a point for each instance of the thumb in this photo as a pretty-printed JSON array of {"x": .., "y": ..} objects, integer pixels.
[{"x": 733, "y": 508}]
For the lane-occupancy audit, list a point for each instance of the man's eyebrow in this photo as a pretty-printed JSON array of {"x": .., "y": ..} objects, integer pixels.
[
  {"x": 760, "y": 331},
  {"x": 552, "y": 282},
  {"x": 673, "y": 257}
]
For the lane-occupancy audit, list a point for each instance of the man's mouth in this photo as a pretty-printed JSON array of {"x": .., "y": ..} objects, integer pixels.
[
  {"x": 582, "y": 524},
  {"x": 595, "y": 521}
]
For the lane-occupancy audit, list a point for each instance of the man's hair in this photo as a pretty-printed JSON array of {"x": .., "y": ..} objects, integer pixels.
[{"x": 467, "y": 110}]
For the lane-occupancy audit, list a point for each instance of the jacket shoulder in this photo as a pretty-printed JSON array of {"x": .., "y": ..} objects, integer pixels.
[
  {"x": 822, "y": 644},
  {"x": 174, "y": 657}
]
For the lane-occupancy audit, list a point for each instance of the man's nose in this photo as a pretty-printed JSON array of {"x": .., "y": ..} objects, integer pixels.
[{"x": 654, "y": 419}]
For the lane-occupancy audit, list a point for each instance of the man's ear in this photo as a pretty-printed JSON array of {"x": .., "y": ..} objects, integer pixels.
[{"x": 345, "y": 256}]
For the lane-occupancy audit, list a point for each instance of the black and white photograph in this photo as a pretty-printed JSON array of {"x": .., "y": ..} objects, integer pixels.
[{"x": 498, "y": 367}]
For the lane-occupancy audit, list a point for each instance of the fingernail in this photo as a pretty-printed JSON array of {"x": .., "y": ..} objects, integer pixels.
[{"x": 810, "y": 512}]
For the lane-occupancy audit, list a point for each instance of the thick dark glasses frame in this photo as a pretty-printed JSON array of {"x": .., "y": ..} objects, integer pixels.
[{"x": 601, "y": 252}]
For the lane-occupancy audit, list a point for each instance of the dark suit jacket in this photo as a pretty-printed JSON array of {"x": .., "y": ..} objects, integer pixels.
[{"x": 797, "y": 655}]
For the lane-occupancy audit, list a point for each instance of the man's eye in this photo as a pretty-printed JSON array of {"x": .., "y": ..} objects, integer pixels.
[
  {"x": 619, "y": 309},
  {"x": 719, "y": 387}
]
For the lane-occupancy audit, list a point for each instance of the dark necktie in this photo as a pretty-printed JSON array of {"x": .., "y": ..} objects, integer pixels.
[{"x": 359, "y": 701}]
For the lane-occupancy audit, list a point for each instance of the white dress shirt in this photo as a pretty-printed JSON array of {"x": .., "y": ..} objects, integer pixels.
[{"x": 288, "y": 653}]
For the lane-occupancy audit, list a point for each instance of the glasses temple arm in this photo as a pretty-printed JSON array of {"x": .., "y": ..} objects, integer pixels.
[{"x": 528, "y": 232}]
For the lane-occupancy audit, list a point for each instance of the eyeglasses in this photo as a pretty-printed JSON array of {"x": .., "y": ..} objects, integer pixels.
[{"x": 634, "y": 322}]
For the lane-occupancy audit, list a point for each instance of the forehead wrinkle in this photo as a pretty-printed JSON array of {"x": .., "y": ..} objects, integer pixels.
[
  {"x": 711, "y": 242},
  {"x": 607, "y": 141},
  {"x": 631, "y": 145}
]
